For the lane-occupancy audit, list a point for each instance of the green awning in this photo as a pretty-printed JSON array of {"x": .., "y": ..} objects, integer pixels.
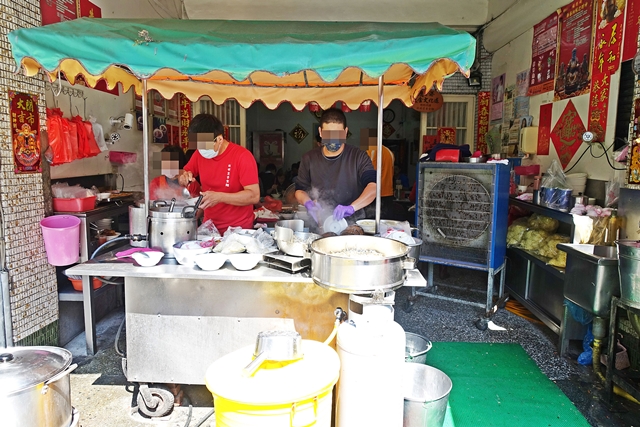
[{"x": 250, "y": 60}]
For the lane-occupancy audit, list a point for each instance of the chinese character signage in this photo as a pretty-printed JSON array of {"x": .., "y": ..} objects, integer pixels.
[
  {"x": 575, "y": 25},
  {"x": 25, "y": 132},
  {"x": 484, "y": 100},
  {"x": 429, "y": 102},
  {"x": 606, "y": 61},
  {"x": 86, "y": 9},
  {"x": 447, "y": 135},
  {"x": 185, "y": 121},
  {"x": 567, "y": 134},
  {"x": 631, "y": 28},
  {"x": 54, "y": 11},
  {"x": 543, "y": 55},
  {"x": 544, "y": 129}
]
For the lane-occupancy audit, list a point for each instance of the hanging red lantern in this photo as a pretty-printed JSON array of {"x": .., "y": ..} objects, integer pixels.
[
  {"x": 345, "y": 107},
  {"x": 314, "y": 107},
  {"x": 365, "y": 107}
]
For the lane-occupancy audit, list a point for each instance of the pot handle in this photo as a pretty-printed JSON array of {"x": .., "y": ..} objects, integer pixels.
[
  {"x": 253, "y": 366},
  {"x": 57, "y": 376}
]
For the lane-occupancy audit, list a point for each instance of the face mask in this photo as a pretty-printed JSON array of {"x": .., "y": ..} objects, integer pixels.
[
  {"x": 333, "y": 139},
  {"x": 333, "y": 145},
  {"x": 208, "y": 154}
]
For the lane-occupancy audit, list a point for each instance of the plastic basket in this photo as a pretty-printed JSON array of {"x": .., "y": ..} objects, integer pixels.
[
  {"x": 81, "y": 204},
  {"x": 122, "y": 157}
]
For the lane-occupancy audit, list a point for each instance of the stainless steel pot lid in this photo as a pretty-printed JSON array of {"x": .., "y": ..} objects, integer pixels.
[{"x": 25, "y": 367}]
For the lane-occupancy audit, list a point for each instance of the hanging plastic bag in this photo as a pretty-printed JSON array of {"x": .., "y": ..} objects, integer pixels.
[
  {"x": 70, "y": 133},
  {"x": 57, "y": 137},
  {"x": 82, "y": 137},
  {"x": 612, "y": 192},
  {"x": 94, "y": 146},
  {"x": 98, "y": 133}
]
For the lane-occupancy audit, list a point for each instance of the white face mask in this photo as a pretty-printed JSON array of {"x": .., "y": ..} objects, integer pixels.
[{"x": 208, "y": 154}]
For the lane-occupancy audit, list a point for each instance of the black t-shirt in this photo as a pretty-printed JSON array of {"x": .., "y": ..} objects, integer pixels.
[{"x": 338, "y": 180}]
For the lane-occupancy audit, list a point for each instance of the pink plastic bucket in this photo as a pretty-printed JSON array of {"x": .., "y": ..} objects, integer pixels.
[{"x": 61, "y": 235}]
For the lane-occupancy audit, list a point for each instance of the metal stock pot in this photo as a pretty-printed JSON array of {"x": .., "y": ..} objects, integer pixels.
[
  {"x": 168, "y": 226},
  {"x": 34, "y": 387},
  {"x": 359, "y": 264}
]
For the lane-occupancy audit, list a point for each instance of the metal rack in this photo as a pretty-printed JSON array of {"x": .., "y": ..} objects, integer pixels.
[
  {"x": 619, "y": 378},
  {"x": 461, "y": 215}
]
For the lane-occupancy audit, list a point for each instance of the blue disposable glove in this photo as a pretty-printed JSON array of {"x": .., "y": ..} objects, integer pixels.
[
  {"x": 342, "y": 211},
  {"x": 313, "y": 209}
]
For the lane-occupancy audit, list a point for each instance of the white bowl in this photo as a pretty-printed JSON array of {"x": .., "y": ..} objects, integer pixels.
[
  {"x": 210, "y": 261},
  {"x": 103, "y": 196},
  {"x": 147, "y": 258},
  {"x": 244, "y": 261},
  {"x": 187, "y": 256}
]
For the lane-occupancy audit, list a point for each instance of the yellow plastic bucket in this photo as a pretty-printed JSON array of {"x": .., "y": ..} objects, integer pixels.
[{"x": 290, "y": 394}]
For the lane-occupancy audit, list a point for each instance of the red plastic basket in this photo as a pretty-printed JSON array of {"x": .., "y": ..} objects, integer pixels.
[
  {"x": 74, "y": 205},
  {"x": 122, "y": 157}
]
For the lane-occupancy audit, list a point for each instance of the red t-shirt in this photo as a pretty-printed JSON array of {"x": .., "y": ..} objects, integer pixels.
[{"x": 228, "y": 172}]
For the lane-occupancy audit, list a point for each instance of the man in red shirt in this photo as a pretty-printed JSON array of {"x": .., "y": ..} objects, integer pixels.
[{"x": 228, "y": 175}]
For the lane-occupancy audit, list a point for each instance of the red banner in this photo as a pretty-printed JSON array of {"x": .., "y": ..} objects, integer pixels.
[
  {"x": 185, "y": 121},
  {"x": 567, "y": 134},
  {"x": 447, "y": 135},
  {"x": 544, "y": 129},
  {"x": 86, "y": 9},
  {"x": 573, "y": 63},
  {"x": 631, "y": 28},
  {"x": 25, "y": 127},
  {"x": 484, "y": 99},
  {"x": 428, "y": 142},
  {"x": 606, "y": 61},
  {"x": 54, "y": 11},
  {"x": 543, "y": 55}
]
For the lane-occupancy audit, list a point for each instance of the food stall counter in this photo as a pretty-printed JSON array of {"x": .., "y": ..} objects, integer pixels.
[{"x": 179, "y": 319}]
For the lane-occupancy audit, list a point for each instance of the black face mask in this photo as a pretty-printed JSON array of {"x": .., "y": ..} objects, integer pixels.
[{"x": 333, "y": 140}]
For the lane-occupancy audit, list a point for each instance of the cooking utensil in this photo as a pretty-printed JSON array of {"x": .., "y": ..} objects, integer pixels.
[
  {"x": 276, "y": 346},
  {"x": 190, "y": 211},
  {"x": 291, "y": 239},
  {"x": 168, "y": 228},
  {"x": 35, "y": 387},
  {"x": 173, "y": 204},
  {"x": 359, "y": 264}
]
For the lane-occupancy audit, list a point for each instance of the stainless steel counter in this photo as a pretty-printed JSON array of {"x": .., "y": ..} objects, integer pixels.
[{"x": 180, "y": 319}]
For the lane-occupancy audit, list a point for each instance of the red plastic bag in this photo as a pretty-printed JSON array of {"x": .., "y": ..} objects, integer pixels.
[
  {"x": 272, "y": 204},
  {"x": 94, "y": 150},
  {"x": 87, "y": 146},
  {"x": 70, "y": 132},
  {"x": 56, "y": 133}
]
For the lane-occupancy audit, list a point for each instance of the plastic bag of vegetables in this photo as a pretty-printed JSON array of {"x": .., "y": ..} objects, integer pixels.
[
  {"x": 541, "y": 222},
  {"x": 548, "y": 248},
  {"x": 532, "y": 239},
  {"x": 516, "y": 231}
]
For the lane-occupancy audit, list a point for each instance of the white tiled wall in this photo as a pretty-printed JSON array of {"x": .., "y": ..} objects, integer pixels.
[{"x": 33, "y": 288}]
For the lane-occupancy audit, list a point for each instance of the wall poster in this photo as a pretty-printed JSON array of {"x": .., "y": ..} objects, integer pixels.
[
  {"x": 543, "y": 55},
  {"x": 575, "y": 26},
  {"x": 631, "y": 28},
  {"x": 497, "y": 97},
  {"x": 544, "y": 129},
  {"x": 606, "y": 61},
  {"x": 25, "y": 128}
]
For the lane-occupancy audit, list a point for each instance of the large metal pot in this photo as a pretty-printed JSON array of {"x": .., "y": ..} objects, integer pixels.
[
  {"x": 291, "y": 239},
  {"x": 359, "y": 264},
  {"x": 35, "y": 388},
  {"x": 168, "y": 228}
]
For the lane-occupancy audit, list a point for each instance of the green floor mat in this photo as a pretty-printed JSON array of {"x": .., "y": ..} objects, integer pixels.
[{"x": 500, "y": 385}]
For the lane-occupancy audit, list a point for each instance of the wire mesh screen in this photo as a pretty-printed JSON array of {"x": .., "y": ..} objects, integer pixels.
[{"x": 455, "y": 214}]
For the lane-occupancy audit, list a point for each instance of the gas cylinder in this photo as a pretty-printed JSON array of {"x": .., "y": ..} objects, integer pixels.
[{"x": 370, "y": 389}]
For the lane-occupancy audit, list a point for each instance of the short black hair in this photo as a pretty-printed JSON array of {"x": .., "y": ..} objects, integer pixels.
[
  {"x": 271, "y": 167},
  {"x": 182, "y": 160},
  {"x": 333, "y": 115},
  {"x": 206, "y": 123}
]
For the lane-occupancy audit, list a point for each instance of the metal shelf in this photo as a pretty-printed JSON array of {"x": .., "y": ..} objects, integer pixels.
[
  {"x": 67, "y": 293},
  {"x": 540, "y": 262},
  {"x": 542, "y": 210}
]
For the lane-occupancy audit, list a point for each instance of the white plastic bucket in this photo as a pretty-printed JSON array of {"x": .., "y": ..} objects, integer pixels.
[
  {"x": 61, "y": 234},
  {"x": 426, "y": 395}
]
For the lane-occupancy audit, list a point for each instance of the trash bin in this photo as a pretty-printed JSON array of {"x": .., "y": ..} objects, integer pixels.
[
  {"x": 426, "y": 395},
  {"x": 61, "y": 234}
]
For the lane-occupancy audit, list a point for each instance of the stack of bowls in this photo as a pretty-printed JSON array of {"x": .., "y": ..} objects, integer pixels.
[{"x": 577, "y": 182}]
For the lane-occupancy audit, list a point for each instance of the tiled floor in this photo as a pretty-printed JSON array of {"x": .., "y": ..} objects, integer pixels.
[{"x": 103, "y": 396}]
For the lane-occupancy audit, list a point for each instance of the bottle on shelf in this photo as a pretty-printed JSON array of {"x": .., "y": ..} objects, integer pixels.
[{"x": 613, "y": 229}]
